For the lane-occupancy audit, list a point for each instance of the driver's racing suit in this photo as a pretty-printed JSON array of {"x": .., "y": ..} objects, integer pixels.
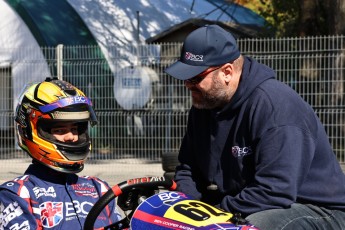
[{"x": 43, "y": 198}]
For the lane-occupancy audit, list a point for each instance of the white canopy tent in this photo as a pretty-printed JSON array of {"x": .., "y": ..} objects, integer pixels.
[
  {"x": 17, "y": 43},
  {"x": 118, "y": 27}
]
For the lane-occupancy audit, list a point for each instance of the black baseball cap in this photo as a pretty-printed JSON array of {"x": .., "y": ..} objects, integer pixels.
[{"x": 206, "y": 46}]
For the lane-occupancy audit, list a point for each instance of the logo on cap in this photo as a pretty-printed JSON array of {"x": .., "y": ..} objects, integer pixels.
[{"x": 194, "y": 57}]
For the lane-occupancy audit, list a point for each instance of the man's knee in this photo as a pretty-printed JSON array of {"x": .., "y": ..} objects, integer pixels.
[
  {"x": 298, "y": 216},
  {"x": 268, "y": 219}
]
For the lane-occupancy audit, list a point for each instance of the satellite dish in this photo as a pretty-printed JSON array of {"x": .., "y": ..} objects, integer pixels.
[{"x": 132, "y": 86}]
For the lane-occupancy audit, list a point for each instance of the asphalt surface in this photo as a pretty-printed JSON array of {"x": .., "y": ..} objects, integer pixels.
[{"x": 112, "y": 171}]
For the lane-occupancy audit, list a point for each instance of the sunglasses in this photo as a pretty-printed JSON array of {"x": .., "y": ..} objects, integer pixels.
[{"x": 198, "y": 78}]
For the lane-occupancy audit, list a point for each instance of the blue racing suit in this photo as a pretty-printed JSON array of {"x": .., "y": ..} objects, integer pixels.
[{"x": 43, "y": 198}]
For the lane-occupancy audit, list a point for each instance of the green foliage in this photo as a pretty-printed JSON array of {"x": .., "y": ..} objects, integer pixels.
[
  {"x": 299, "y": 18},
  {"x": 282, "y": 15}
]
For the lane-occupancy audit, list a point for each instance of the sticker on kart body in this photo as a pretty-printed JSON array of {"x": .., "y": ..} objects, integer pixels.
[
  {"x": 176, "y": 210},
  {"x": 196, "y": 213}
]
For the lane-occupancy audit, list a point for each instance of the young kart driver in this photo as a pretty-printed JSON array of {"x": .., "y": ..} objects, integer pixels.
[
  {"x": 253, "y": 145},
  {"x": 52, "y": 120}
]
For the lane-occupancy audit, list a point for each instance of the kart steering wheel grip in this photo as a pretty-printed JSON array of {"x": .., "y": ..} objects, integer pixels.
[{"x": 117, "y": 190}]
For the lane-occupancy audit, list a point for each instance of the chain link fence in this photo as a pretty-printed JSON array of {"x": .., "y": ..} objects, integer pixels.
[{"x": 143, "y": 112}]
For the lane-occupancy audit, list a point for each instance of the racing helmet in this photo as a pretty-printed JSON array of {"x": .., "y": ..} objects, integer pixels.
[{"x": 41, "y": 106}]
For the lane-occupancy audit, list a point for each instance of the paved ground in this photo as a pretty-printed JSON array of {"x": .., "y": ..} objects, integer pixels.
[{"x": 113, "y": 171}]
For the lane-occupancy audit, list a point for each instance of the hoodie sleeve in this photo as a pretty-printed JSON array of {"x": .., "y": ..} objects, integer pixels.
[{"x": 183, "y": 175}]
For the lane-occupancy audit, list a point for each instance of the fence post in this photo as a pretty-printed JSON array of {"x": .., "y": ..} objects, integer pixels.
[{"x": 59, "y": 59}]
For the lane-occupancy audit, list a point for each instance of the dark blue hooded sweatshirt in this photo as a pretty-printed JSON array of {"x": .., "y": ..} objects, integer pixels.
[{"x": 266, "y": 149}]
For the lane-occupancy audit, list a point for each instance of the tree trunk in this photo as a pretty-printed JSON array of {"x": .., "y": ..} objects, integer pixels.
[
  {"x": 308, "y": 21},
  {"x": 337, "y": 17}
]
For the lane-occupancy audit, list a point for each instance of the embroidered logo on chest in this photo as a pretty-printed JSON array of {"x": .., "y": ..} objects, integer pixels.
[{"x": 240, "y": 151}]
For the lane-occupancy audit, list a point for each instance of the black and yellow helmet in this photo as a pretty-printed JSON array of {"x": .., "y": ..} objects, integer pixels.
[{"x": 43, "y": 104}]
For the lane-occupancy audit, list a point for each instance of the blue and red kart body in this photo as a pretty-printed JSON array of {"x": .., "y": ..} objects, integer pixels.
[
  {"x": 175, "y": 210},
  {"x": 163, "y": 210}
]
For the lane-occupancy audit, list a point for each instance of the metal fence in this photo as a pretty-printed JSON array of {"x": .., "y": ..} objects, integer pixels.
[{"x": 143, "y": 112}]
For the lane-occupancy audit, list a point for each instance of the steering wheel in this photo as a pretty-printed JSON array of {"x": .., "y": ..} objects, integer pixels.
[{"x": 130, "y": 194}]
